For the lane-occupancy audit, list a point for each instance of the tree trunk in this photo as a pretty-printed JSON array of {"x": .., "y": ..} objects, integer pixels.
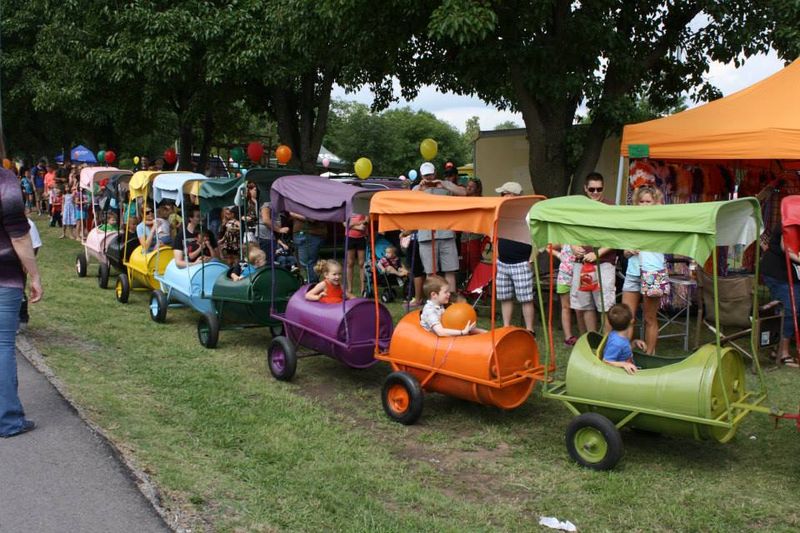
[
  {"x": 592, "y": 147},
  {"x": 546, "y": 124},
  {"x": 185, "y": 142},
  {"x": 303, "y": 119},
  {"x": 208, "y": 138},
  {"x": 547, "y": 159}
]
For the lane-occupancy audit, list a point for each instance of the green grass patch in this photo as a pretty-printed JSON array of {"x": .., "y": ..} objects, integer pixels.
[{"x": 244, "y": 452}]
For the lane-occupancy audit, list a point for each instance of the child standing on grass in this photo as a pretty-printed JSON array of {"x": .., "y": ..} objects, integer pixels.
[
  {"x": 566, "y": 269},
  {"x": 329, "y": 290},
  {"x": 68, "y": 214},
  {"x": 56, "y": 202},
  {"x": 81, "y": 201},
  {"x": 617, "y": 351},
  {"x": 438, "y": 291},
  {"x": 27, "y": 190}
]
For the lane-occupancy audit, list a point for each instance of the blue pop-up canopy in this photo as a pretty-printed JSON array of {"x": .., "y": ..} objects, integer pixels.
[{"x": 78, "y": 154}]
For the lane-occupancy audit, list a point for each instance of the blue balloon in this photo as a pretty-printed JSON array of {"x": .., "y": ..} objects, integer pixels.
[{"x": 412, "y": 174}]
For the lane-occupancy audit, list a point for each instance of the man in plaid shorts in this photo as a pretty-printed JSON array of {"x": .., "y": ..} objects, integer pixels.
[{"x": 514, "y": 275}]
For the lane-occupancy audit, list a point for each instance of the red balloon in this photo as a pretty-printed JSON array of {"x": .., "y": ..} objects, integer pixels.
[
  {"x": 283, "y": 153},
  {"x": 255, "y": 150},
  {"x": 110, "y": 156},
  {"x": 170, "y": 156}
]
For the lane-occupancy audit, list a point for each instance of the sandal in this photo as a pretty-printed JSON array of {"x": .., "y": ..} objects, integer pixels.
[
  {"x": 787, "y": 360},
  {"x": 571, "y": 341},
  {"x": 412, "y": 305}
]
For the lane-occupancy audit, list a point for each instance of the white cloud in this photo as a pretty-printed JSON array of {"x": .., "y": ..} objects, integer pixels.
[{"x": 730, "y": 79}]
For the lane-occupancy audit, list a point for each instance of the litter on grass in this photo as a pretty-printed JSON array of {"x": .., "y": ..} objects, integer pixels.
[{"x": 554, "y": 523}]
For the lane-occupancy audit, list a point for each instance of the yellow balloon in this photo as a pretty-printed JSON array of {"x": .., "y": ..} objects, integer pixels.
[
  {"x": 363, "y": 168},
  {"x": 428, "y": 148},
  {"x": 136, "y": 160}
]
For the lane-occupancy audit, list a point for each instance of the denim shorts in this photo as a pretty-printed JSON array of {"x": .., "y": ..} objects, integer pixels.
[{"x": 632, "y": 284}]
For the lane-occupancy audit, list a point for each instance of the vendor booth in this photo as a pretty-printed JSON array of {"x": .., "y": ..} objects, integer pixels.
[{"x": 746, "y": 144}]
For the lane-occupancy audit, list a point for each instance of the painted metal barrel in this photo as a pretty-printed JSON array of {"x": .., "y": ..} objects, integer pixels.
[
  {"x": 248, "y": 301},
  {"x": 464, "y": 360},
  {"x": 142, "y": 267},
  {"x": 98, "y": 241},
  {"x": 692, "y": 386},
  {"x": 353, "y": 324},
  {"x": 192, "y": 285},
  {"x": 118, "y": 254}
]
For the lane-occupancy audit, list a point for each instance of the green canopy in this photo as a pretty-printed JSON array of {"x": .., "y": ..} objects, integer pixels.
[
  {"x": 685, "y": 229},
  {"x": 218, "y": 192}
]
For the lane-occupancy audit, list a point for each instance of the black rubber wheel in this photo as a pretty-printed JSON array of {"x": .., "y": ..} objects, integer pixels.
[
  {"x": 208, "y": 330},
  {"x": 122, "y": 289},
  {"x": 80, "y": 265},
  {"x": 402, "y": 397},
  {"x": 594, "y": 441},
  {"x": 282, "y": 358},
  {"x": 158, "y": 306},
  {"x": 103, "y": 272},
  {"x": 276, "y": 331}
]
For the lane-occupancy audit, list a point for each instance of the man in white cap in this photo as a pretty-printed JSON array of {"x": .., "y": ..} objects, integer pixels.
[
  {"x": 514, "y": 275},
  {"x": 446, "y": 249}
]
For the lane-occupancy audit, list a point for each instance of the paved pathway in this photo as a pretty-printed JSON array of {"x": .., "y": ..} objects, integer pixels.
[{"x": 63, "y": 477}]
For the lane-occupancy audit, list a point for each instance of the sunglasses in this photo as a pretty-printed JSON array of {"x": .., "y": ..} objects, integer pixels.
[
  {"x": 594, "y": 189},
  {"x": 148, "y": 212}
]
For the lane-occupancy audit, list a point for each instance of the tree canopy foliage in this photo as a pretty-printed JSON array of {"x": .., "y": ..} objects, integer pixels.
[
  {"x": 545, "y": 59},
  {"x": 391, "y": 139},
  {"x": 137, "y": 75}
]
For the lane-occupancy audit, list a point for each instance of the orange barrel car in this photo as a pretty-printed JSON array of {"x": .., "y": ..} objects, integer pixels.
[{"x": 497, "y": 368}]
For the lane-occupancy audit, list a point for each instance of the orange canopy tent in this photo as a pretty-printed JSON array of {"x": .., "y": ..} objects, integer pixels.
[
  {"x": 759, "y": 122},
  {"x": 759, "y": 125}
]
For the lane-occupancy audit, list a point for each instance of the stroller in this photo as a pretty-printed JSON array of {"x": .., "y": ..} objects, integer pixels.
[
  {"x": 388, "y": 284},
  {"x": 478, "y": 284}
]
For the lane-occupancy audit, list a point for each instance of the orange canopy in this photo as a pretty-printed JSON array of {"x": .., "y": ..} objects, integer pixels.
[
  {"x": 759, "y": 122},
  {"x": 412, "y": 210}
]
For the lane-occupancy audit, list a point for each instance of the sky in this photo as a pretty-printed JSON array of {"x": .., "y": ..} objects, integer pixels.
[{"x": 456, "y": 109}]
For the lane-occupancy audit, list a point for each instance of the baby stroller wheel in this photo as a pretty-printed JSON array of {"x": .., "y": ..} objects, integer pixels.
[{"x": 387, "y": 295}]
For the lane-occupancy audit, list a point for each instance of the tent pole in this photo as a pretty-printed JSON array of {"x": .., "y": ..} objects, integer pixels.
[{"x": 619, "y": 178}]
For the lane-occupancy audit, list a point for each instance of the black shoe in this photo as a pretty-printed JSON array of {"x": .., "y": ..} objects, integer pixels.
[{"x": 29, "y": 425}]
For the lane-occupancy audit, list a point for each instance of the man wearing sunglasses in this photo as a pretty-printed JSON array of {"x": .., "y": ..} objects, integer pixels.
[{"x": 586, "y": 304}]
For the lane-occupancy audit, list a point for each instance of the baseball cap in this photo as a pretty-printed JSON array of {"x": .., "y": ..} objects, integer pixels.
[
  {"x": 510, "y": 187},
  {"x": 427, "y": 168}
]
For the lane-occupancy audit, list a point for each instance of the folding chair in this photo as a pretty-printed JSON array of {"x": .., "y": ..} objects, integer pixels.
[{"x": 735, "y": 313}]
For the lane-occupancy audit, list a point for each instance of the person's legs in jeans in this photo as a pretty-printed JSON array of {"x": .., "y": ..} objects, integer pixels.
[
  {"x": 12, "y": 417},
  {"x": 313, "y": 243},
  {"x": 779, "y": 290},
  {"x": 308, "y": 246}
]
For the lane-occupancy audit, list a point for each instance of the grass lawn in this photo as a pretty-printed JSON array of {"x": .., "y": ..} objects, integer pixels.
[{"x": 235, "y": 450}]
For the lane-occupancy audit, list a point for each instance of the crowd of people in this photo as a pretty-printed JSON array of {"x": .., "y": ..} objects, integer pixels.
[{"x": 247, "y": 237}]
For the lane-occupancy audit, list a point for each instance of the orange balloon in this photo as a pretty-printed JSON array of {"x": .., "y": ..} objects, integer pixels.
[
  {"x": 7, "y": 163},
  {"x": 458, "y": 315},
  {"x": 283, "y": 153}
]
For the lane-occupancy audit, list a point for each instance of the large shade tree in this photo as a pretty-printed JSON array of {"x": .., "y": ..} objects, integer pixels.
[
  {"x": 290, "y": 53},
  {"x": 546, "y": 58}
]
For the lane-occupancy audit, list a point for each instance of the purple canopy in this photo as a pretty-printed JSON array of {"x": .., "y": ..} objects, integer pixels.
[{"x": 318, "y": 198}]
